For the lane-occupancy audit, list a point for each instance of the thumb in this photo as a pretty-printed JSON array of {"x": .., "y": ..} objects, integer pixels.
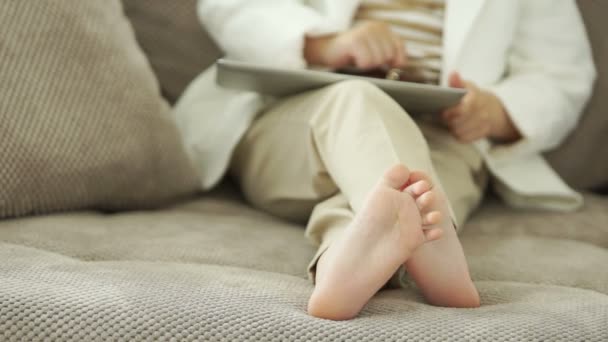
[{"x": 456, "y": 80}]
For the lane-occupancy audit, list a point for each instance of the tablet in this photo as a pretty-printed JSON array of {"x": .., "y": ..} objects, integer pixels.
[{"x": 415, "y": 98}]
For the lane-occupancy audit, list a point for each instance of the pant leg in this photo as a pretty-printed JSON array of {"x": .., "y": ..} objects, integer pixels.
[
  {"x": 307, "y": 147},
  {"x": 326, "y": 149},
  {"x": 277, "y": 163},
  {"x": 460, "y": 168}
]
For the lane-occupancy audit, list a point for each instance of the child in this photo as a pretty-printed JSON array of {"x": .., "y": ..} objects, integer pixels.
[{"x": 342, "y": 158}]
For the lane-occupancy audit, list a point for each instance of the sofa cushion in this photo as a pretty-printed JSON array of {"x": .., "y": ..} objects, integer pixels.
[
  {"x": 578, "y": 159},
  {"x": 174, "y": 41},
  {"x": 216, "y": 270},
  {"x": 83, "y": 124},
  {"x": 47, "y": 297}
]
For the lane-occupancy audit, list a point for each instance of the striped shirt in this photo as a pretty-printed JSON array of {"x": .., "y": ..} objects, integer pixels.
[{"x": 420, "y": 24}]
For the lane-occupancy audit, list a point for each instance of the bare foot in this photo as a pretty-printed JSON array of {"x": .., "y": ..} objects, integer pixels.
[
  {"x": 440, "y": 269},
  {"x": 383, "y": 235}
]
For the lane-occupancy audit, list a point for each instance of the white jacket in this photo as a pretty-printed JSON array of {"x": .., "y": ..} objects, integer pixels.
[{"x": 534, "y": 54}]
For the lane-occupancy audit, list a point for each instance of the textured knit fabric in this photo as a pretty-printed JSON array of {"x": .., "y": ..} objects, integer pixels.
[
  {"x": 420, "y": 24},
  {"x": 216, "y": 270},
  {"x": 82, "y": 122}
]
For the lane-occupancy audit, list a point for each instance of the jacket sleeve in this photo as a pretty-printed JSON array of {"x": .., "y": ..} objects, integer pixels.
[
  {"x": 262, "y": 31},
  {"x": 550, "y": 74}
]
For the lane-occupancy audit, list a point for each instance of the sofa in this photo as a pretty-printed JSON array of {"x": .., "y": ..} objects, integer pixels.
[{"x": 208, "y": 267}]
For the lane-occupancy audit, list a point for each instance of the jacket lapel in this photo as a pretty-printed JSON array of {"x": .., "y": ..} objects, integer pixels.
[{"x": 460, "y": 18}]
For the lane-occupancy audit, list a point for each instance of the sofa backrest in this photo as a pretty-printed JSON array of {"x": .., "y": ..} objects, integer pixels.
[
  {"x": 579, "y": 159},
  {"x": 179, "y": 49},
  {"x": 171, "y": 35}
]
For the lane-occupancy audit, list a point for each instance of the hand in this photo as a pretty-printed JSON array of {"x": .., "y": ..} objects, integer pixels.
[
  {"x": 479, "y": 115},
  {"x": 368, "y": 45}
]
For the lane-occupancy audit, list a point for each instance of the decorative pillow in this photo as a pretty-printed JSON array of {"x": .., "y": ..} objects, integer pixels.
[
  {"x": 82, "y": 122},
  {"x": 173, "y": 38},
  {"x": 581, "y": 159}
]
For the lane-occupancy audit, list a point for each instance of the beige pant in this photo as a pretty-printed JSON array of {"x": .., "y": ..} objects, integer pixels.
[{"x": 315, "y": 156}]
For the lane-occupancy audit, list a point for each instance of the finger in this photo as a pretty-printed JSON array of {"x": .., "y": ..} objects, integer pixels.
[
  {"x": 452, "y": 113},
  {"x": 469, "y": 101},
  {"x": 471, "y": 98},
  {"x": 460, "y": 128},
  {"x": 388, "y": 49},
  {"x": 463, "y": 120},
  {"x": 457, "y": 116},
  {"x": 376, "y": 51},
  {"x": 473, "y": 124},
  {"x": 478, "y": 134},
  {"x": 447, "y": 114},
  {"x": 382, "y": 37},
  {"x": 469, "y": 135},
  {"x": 344, "y": 61},
  {"x": 466, "y": 126},
  {"x": 463, "y": 109},
  {"x": 345, "y": 57},
  {"x": 400, "y": 59},
  {"x": 471, "y": 86},
  {"x": 362, "y": 56},
  {"x": 456, "y": 81}
]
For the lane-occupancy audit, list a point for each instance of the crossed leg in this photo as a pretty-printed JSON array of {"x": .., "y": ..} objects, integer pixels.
[{"x": 342, "y": 139}]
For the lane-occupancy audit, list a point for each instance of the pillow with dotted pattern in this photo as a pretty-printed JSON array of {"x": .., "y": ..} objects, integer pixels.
[{"x": 82, "y": 122}]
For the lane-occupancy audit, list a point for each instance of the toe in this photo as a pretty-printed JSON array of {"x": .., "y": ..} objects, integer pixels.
[
  {"x": 425, "y": 200},
  {"x": 417, "y": 176},
  {"x": 433, "y": 234},
  {"x": 396, "y": 177},
  {"x": 432, "y": 218},
  {"x": 418, "y": 188}
]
